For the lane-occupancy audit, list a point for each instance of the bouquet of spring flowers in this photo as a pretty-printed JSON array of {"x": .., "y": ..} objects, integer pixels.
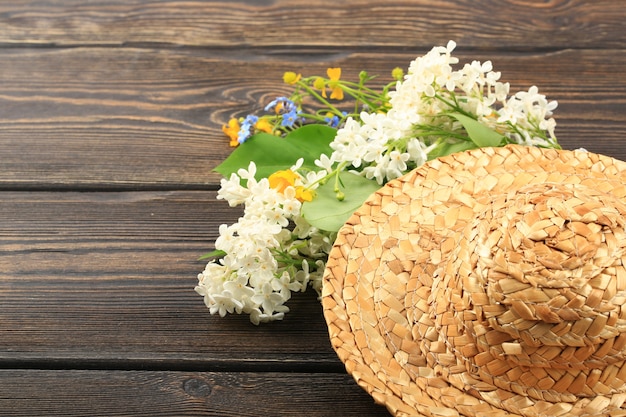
[{"x": 304, "y": 166}]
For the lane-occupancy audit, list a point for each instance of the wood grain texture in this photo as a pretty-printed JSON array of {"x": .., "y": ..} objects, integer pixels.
[
  {"x": 106, "y": 279},
  {"x": 524, "y": 24},
  {"x": 110, "y": 125},
  {"x": 136, "y": 118},
  {"x": 91, "y": 393}
]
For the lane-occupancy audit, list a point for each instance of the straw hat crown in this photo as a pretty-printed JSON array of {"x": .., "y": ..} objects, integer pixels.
[{"x": 487, "y": 283}]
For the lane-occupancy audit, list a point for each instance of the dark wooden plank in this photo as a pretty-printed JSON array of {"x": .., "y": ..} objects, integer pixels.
[
  {"x": 132, "y": 118},
  {"x": 392, "y": 24},
  {"x": 106, "y": 280},
  {"x": 97, "y": 310},
  {"x": 27, "y": 393}
]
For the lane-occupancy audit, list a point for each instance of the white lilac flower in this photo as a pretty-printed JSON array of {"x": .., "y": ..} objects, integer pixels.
[
  {"x": 500, "y": 91},
  {"x": 272, "y": 250},
  {"x": 312, "y": 178},
  {"x": 225, "y": 303},
  {"x": 257, "y": 317},
  {"x": 432, "y": 68},
  {"x": 250, "y": 278},
  {"x": 474, "y": 77},
  {"x": 303, "y": 276},
  {"x": 226, "y": 238},
  {"x": 239, "y": 288},
  {"x": 417, "y": 151},
  {"x": 430, "y": 89},
  {"x": 397, "y": 164},
  {"x": 302, "y": 228},
  {"x": 378, "y": 170},
  {"x": 316, "y": 277},
  {"x": 379, "y": 129},
  {"x": 267, "y": 299},
  {"x": 284, "y": 285},
  {"x": 232, "y": 191},
  {"x": 210, "y": 287},
  {"x": 325, "y": 163},
  {"x": 349, "y": 144}
]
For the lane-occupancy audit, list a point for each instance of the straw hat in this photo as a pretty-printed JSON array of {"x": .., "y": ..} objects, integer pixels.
[{"x": 487, "y": 283}]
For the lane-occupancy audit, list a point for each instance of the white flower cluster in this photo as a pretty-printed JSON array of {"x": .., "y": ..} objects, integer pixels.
[
  {"x": 273, "y": 251},
  {"x": 384, "y": 146},
  {"x": 264, "y": 260}
]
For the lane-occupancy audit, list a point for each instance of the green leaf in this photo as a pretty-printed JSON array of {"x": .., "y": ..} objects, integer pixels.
[
  {"x": 328, "y": 213},
  {"x": 271, "y": 153},
  {"x": 450, "y": 148},
  {"x": 213, "y": 254},
  {"x": 479, "y": 133}
]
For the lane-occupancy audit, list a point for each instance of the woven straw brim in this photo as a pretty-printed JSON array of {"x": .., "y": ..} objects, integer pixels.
[{"x": 487, "y": 283}]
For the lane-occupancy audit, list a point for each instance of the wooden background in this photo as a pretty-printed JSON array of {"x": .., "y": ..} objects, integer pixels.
[{"x": 110, "y": 124}]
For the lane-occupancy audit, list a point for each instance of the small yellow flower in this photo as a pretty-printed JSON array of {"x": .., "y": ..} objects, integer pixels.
[
  {"x": 280, "y": 180},
  {"x": 320, "y": 84},
  {"x": 397, "y": 73},
  {"x": 304, "y": 194},
  {"x": 291, "y": 77},
  {"x": 264, "y": 126},
  {"x": 334, "y": 74},
  {"x": 232, "y": 131}
]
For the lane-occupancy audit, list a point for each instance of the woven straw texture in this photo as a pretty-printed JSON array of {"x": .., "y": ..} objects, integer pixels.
[{"x": 487, "y": 283}]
